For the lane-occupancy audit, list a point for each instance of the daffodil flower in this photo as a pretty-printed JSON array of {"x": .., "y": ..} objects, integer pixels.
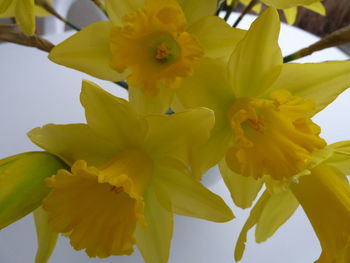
[
  {"x": 24, "y": 11},
  {"x": 324, "y": 195},
  {"x": 154, "y": 44},
  {"x": 128, "y": 175},
  {"x": 263, "y": 131}
]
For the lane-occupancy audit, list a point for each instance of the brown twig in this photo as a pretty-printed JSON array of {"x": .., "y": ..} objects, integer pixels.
[
  {"x": 13, "y": 34},
  {"x": 337, "y": 38}
]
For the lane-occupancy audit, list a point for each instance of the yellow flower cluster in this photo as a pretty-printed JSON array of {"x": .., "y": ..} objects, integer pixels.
[{"x": 236, "y": 105}]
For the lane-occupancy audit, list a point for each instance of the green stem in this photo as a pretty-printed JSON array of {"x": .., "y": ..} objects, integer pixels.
[
  {"x": 245, "y": 11},
  {"x": 49, "y": 8}
]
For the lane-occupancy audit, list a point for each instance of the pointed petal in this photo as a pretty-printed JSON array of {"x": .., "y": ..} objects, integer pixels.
[
  {"x": 278, "y": 209},
  {"x": 195, "y": 10},
  {"x": 46, "y": 236},
  {"x": 25, "y": 16},
  {"x": 187, "y": 196},
  {"x": 207, "y": 87},
  {"x": 250, "y": 223},
  {"x": 317, "y": 7},
  {"x": 93, "y": 58},
  {"x": 144, "y": 104},
  {"x": 73, "y": 142},
  {"x": 23, "y": 187},
  {"x": 243, "y": 189},
  {"x": 217, "y": 38},
  {"x": 153, "y": 239},
  {"x": 4, "y": 5},
  {"x": 282, "y": 4},
  {"x": 291, "y": 15},
  {"x": 116, "y": 9},
  {"x": 253, "y": 65},
  {"x": 325, "y": 198},
  {"x": 321, "y": 82},
  {"x": 341, "y": 156},
  {"x": 178, "y": 134},
  {"x": 111, "y": 117}
]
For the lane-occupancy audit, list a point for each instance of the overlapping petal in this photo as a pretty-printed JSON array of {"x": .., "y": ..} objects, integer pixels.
[
  {"x": 116, "y": 9},
  {"x": 88, "y": 51},
  {"x": 73, "y": 142},
  {"x": 282, "y": 4},
  {"x": 321, "y": 82},
  {"x": 194, "y": 9},
  {"x": 177, "y": 135},
  {"x": 111, "y": 117},
  {"x": 47, "y": 237},
  {"x": 216, "y": 37},
  {"x": 243, "y": 189},
  {"x": 153, "y": 239},
  {"x": 258, "y": 55},
  {"x": 187, "y": 196}
]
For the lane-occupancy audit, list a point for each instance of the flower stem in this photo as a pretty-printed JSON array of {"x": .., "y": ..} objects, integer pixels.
[
  {"x": 49, "y": 8},
  {"x": 245, "y": 11}
]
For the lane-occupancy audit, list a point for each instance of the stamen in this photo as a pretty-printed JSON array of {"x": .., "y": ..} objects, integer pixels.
[{"x": 163, "y": 52}]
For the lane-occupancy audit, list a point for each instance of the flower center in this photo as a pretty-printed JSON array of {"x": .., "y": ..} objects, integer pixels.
[
  {"x": 163, "y": 52},
  {"x": 274, "y": 136},
  {"x": 154, "y": 46},
  {"x": 100, "y": 208}
]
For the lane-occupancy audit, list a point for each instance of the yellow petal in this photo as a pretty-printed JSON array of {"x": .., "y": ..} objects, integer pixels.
[
  {"x": 178, "y": 134},
  {"x": 243, "y": 189},
  {"x": 25, "y": 16},
  {"x": 321, "y": 82},
  {"x": 22, "y": 183},
  {"x": 325, "y": 198},
  {"x": 46, "y": 236},
  {"x": 153, "y": 240},
  {"x": 250, "y": 223},
  {"x": 94, "y": 58},
  {"x": 145, "y": 104},
  {"x": 116, "y": 9},
  {"x": 187, "y": 196},
  {"x": 207, "y": 87},
  {"x": 253, "y": 65},
  {"x": 282, "y": 4},
  {"x": 4, "y": 5},
  {"x": 195, "y": 10},
  {"x": 291, "y": 15},
  {"x": 256, "y": 8},
  {"x": 341, "y": 156},
  {"x": 217, "y": 38},
  {"x": 278, "y": 209},
  {"x": 111, "y": 117},
  {"x": 73, "y": 142},
  {"x": 210, "y": 153},
  {"x": 317, "y": 7}
]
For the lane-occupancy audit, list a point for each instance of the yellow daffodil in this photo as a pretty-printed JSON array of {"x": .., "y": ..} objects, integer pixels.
[
  {"x": 324, "y": 195},
  {"x": 24, "y": 11},
  {"x": 128, "y": 176},
  {"x": 263, "y": 131},
  {"x": 154, "y": 44}
]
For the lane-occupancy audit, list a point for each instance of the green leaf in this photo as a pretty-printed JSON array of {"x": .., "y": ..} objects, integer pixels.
[{"x": 22, "y": 185}]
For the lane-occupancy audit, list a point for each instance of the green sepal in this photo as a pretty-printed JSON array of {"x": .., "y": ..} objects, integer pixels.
[{"x": 22, "y": 184}]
